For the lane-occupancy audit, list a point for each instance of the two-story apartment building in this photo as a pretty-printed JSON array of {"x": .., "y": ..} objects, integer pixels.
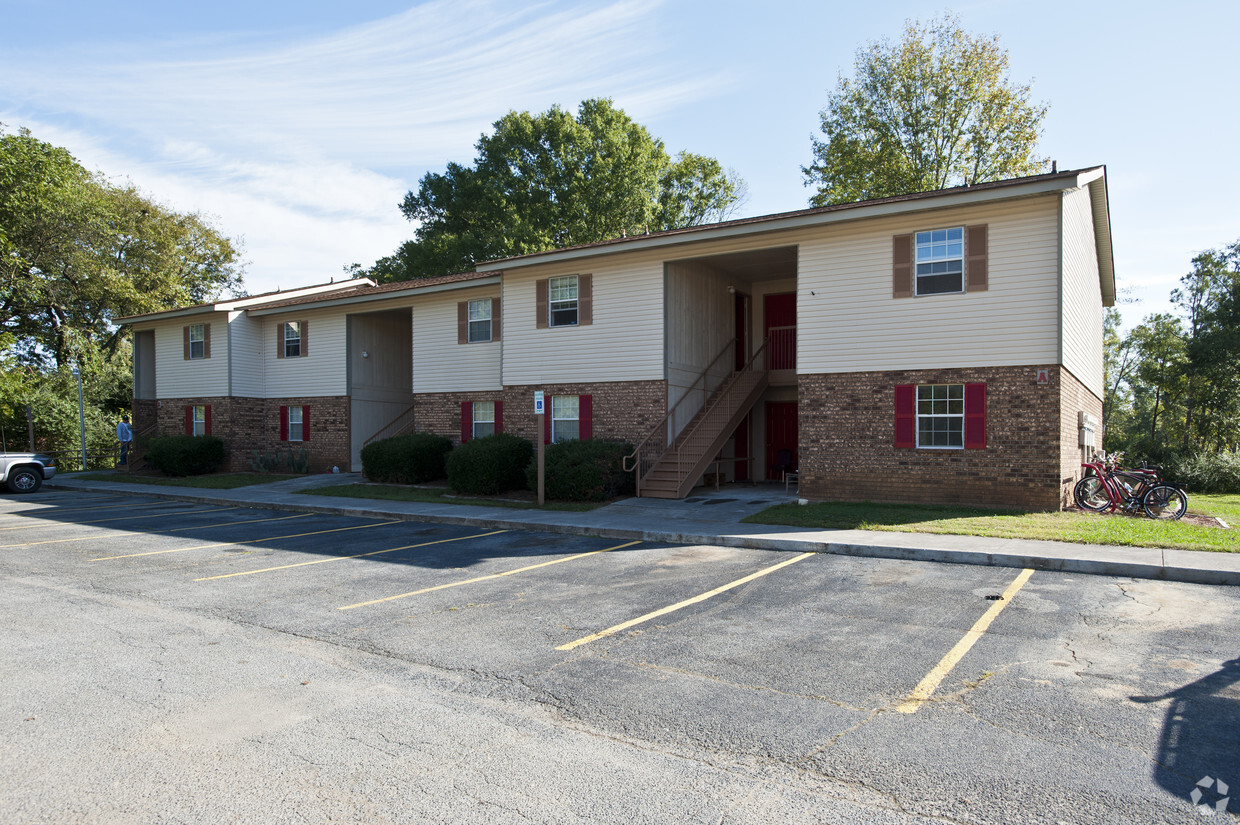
[{"x": 943, "y": 346}]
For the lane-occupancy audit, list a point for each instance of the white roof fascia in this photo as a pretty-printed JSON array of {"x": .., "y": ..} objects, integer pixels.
[
  {"x": 963, "y": 197},
  {"x": 1101, "y": 205},
  {"x": 383, "y": 296},
  {"x": 172, "y": 313},
  {"x": 242, "y": 303}
]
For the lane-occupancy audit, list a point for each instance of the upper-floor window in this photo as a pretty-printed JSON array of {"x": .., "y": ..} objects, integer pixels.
[
  {"x": 940, "y": 261},
  {"x": 197, "y": 340},
  {"x": 562, "y": 294},
  {"x": 480, "y": 320},
  {"x": 940, "y": 415},
  {"x": 292, "y": 339}
]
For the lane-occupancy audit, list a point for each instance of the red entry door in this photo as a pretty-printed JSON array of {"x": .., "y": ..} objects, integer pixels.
[
  {"x": 781, "y": 438},
  {"x": 779, "y": 327}
]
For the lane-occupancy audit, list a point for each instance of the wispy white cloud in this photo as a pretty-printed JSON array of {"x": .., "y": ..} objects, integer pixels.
[{"x": 306, "y": 147}]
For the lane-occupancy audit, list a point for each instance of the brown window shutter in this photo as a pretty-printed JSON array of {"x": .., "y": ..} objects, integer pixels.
[
  {"x": 976, "y": 274},
  {"x": 902, "y": 266},
  {"x": 540, "y": 303},
  {"x": 495, "y": 321},
  {"x": 305, "y": 338},
  {"x": 186, "y": 331},
  {"x": 206, "y": 340},
  {"x": 280, "y": 340},
  {"x": 462, "y": 322},
  {"x": 585, "y": 300}
]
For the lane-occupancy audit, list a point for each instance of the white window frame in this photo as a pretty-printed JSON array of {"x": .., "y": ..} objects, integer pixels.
[
  {"x": 295, "y": 425},
  {"x": 938, "y": 407},
  {"x": 484, "y": 414},
  {"x": 568, "y": 290},
  {"x": 200, "y": 419},
  {"x": 292, "y": 326},
  {"x": 197, "y": 341},
  {"x": 938, "y": 252},
  {"x": 479, "y": 321},
  {"x": 565, "y": 410}
]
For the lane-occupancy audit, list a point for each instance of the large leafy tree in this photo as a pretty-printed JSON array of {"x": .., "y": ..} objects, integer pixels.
[
  {"x": 937, "y": 109},
  {"x": 78, "y": 251},
  {"x": 542, "y": 181}
]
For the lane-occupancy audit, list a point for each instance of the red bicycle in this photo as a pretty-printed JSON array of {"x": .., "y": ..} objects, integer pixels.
[{"x": 1107, "y": 487}]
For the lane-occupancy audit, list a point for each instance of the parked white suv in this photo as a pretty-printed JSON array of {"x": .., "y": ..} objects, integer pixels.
[{"x": 25, "y": 472}]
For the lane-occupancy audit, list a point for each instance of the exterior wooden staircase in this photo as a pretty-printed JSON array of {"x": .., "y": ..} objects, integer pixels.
[{"x": 671, "y": 470}]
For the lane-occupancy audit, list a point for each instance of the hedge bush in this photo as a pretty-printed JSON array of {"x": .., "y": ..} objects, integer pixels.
[
  {"x": 489, "y": 465},
  {"x": 186, "y": 455},
  {"x": 590, "y": 470},
  {"x": 1206, "y": 472},
  {"x": 406, "y": 459}
]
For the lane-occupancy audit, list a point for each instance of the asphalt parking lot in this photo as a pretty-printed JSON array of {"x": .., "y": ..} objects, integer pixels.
[{"x": 176, "y": 662}]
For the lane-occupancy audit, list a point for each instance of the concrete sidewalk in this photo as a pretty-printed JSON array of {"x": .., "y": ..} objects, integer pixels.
[{"x": 713, "y": 517}]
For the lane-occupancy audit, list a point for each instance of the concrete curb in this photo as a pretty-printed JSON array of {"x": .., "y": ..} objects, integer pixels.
[{"x": 1187, "y": 566}]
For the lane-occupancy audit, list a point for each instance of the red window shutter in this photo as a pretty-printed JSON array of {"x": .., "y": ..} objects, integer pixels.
[
  {"x": 467, "y": 420},
  {"x": 206, "y": 429},
  {"x": 499, "y": 416},
  {"x": 547, "y": 422},
  {"x": 305, "y": 423},
  {"x": 975, "y": 416},
  {"x": 906, "y": 416},
  {"x": 189, "y": 420},
  {"x": 585, "y": 415},
  {"x": 284, "y": 423}
]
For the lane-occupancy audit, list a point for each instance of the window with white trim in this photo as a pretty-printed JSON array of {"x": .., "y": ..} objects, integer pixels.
[
  {"x": 200, "y": 420},
  {"x": 295, "y": 419},
  {"x": 292, "y": 339},
  {"x": 940, "y": 261},
  {"x": 484, "y": 419},
  {"x": 480, "y": 320},
  {"x": 197, "y": 340},
  {"x": 562, "y": 298},
  {"x": 940, "y": 416},
  {"x": 565, "y": 418}
]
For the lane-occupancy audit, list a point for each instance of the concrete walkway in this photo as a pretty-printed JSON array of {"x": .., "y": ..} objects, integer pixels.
[{"x": 714, "y": 517}]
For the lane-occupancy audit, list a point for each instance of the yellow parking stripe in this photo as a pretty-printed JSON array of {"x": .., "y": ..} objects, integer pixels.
[
  {"x": 113, "y": 518},
  {"x": 927, "y": 686},
  {"x": 97, "y": 538},
  {"x": 674, "y": 607},
  {"x": 486, "y": 578},
  {"x": 342, "y": 558},
  {"x": 246, "y": 541}
]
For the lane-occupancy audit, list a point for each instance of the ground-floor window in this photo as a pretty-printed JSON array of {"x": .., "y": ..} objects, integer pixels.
[
  {"x": 198, "y": 419},
  {"x": 940, "y": 416},
  {"x": 484, "y": 419},
  {"x": 295, "y": 423},
  {"x": 565, "y": 418}
]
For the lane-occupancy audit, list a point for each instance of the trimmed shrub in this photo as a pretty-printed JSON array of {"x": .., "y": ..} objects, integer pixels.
[
  {"x": 489, "y": 465},
  {"x": 186, "y": 455},
  {"x": 590, "y": 470},
  {"x": 406, "y": 459}
]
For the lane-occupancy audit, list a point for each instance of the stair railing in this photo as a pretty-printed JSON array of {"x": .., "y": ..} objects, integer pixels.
[
  {"x": 396, "y": 426},
  {"x": 655, "y": 444}
]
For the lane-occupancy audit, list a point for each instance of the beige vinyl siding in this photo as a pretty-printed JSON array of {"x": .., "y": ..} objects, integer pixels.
[
  {"x": 623, "y": 343},
  {"x": 848, "y": 321},
  {"x": 1082, "y": 294},
  {"x": 246, "y": 355},
  {"x": 176, "y": 377},
  {"x": 322, "y": 371},
  {"x": 440, "y": 364}
]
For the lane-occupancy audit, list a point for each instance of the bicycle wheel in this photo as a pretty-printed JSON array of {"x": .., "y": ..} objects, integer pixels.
[
  {"x": 1091, "y": 494},
  {"x": 1165, "y": 502}
]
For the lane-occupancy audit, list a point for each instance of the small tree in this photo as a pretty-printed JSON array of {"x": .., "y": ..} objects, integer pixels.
[{"x": 935, "y": 110}]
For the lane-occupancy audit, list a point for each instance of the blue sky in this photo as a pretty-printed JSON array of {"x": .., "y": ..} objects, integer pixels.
[{"x": 299, "y": 126}]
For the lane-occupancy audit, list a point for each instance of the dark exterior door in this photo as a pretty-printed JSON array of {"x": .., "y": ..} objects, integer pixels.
[
  {"x": 779, "y": 327},
  {"x": 781, "y": 438}
]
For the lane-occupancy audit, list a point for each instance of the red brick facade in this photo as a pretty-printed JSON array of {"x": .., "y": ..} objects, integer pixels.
[
  {"x": 1031, "y": 458},
  {"x": 621, "y": 410},
  {"x": 249, "y": 424}
]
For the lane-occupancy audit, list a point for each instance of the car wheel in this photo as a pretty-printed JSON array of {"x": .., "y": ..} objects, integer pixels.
[{"x": 24, "y": 480}]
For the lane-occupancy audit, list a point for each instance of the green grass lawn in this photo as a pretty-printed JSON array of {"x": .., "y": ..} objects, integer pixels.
[
  {"x": 397, "y": 492},
  {"x": 1069, "y": 525},
  {"x": 222, "y": 481}
]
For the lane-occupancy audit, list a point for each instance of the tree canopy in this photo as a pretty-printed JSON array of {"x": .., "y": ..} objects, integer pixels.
[
  {"x": 937, "y": 109},
  {"x": 78, "y": 251},
  {"x": 542, "y": 181}
]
